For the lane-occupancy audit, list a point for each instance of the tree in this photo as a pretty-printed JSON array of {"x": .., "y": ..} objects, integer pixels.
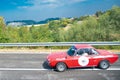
[
  {"x": 2, "y": 24},
  {"x": 98, "y": 13},
  {"x": 3, "y": 37},
  {"x": 115, "y": 17},
  {"x": 109, "y": 23}
]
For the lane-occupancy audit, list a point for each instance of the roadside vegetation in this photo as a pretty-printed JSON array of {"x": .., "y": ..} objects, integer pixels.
[{"x": 102, "y": 26}]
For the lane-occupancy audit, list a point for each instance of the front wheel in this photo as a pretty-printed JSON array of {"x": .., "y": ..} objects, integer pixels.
[
  {"x": 61, "y": 67},
  {"x": 104, "y": 64}
]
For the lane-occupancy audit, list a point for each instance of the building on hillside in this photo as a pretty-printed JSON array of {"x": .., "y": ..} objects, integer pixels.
[{"x": 16, "y": 24}]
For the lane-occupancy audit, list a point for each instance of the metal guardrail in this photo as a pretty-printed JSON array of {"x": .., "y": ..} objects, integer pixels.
[{"x": 57, "y": 44}]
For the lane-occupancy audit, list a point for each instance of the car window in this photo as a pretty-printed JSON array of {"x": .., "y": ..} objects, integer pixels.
[
  {"x": 86, "y": 51},
  {"x": 71, "y": 51},
  {"x": 83, "y": 51}
]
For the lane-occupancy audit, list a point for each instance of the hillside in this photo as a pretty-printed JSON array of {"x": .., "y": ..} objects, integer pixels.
[{"x": 102, "y": 26}]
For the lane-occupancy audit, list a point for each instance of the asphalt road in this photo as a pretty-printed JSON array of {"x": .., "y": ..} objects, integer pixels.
[{"x": 32, "y": 67}]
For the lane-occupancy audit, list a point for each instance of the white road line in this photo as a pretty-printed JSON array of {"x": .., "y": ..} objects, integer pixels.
[
  {"x": 22, "y": 69},
  {"x": 35, "y": 69},
  {"x": 101, "y": 69}
]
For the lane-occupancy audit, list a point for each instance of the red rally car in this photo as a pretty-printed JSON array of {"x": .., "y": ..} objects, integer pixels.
[{"x": 81, "y": 55}]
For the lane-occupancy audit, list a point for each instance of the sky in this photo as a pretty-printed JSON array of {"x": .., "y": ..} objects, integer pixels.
[{"x": 41, "y": 9}]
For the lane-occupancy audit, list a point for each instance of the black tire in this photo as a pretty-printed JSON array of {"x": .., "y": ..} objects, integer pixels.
[
  {"x": 104, "y": 64},
  {"x": 61, "y": 67}
]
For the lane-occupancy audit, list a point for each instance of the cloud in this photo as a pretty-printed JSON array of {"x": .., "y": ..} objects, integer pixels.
[
  {"x": 59, "y": 2},
  {"x": 40, "y": 4},
  {"x": 23, "y": 7}
]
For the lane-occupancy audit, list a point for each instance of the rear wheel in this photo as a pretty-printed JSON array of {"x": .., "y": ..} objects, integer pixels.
[
  {"x": 104, "y": 64},
  {"x": 61, "y": 67}
]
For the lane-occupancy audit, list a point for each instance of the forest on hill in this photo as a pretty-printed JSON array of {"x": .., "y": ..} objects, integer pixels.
[
  {"x": 32, "y": 22},
  {"x": 103, "y": 26}
]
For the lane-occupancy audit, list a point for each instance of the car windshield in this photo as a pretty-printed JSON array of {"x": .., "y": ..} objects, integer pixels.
[{"x": 71, "y": 51}]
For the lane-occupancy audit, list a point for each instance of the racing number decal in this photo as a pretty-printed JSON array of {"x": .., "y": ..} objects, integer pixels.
[{"x": 83, "y": 61}]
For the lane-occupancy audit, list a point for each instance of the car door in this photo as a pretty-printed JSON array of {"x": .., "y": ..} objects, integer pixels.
[
  {"x": 86, "y": 57},
  {"x": 79, "y": 60}
]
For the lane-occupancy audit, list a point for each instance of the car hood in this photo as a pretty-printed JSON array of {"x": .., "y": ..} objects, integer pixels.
[
  {"x": 104, "y": 51},
  {"x": 57, "y": 55}
]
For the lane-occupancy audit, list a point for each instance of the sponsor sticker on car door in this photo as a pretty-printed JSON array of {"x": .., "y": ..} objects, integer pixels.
[{"x": 83, "y": 61}]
